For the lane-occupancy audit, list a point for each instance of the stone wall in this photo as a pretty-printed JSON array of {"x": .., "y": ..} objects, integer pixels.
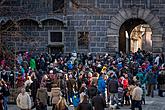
[{"x": 101, "y": 18}]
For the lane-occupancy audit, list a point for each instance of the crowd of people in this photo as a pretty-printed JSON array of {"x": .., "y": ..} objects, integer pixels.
[{"x": 85, "y": 82}]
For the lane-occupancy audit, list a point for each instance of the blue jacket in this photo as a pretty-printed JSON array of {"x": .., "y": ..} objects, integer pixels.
[
  {"x": 101, "y": 84},
  {"x": 76, "y": 100}
]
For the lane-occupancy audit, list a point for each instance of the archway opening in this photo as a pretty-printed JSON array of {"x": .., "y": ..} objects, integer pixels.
[
  {"x": 133, "y": 34},
  {"x": 141, "y": 38}
]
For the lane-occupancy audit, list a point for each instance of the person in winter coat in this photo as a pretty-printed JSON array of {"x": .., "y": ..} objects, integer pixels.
[
  {"x": 34, "y": 86},
  {"x": 33, "y": 63},
  {"x": 82, "y": 93},
  {"x": 23, "y": 100},
  {"x": 42, "y": 96},
  {"x": 101, "y": 85},
  {"x": 6, "y": 93},
  {"x": 161, "y": 81},
  {"x": 113, "y": 90},
  {"x": 62, "y": 105},
  {"x": 85, "y": 105},
  {"x": 92, "y": 91},
  {"x": 140, "y": 76},
  {"x": 71, "y": 83},
  {"x": 98, "y": 102},
  {"x": 55, "y": 96},
  {"x": 151, "y": 79},
  {"x": 137, "y": 97},
  {"x": 76, "y": 100},
  {"x": 38, "y": 105}
]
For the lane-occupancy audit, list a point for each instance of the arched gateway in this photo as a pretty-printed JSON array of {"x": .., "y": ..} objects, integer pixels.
[{"x": 137, "y": 16}]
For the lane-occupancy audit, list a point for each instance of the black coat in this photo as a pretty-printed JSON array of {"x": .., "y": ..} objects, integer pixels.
[
  {"x": 92, "y": 91},
  {"x": 85, "y": 105},
  {"x": 98, "y": 102},
  {"x": 34, "y": 86},
  {"x": 161, "y": 77},
  {"x": 113, "y": 86}
]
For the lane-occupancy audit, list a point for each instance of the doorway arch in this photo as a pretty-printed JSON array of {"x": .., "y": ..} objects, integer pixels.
[
  {"x": 138, "y": 16},
  {"x": 125, "y": 33}
]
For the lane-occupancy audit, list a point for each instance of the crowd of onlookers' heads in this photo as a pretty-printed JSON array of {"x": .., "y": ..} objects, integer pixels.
[{"x": 85, "y": 81}]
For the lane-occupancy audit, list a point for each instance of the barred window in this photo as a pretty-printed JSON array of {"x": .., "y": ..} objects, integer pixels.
[
  {"x": 55, "y": 36},
  {"x": 83, "y": 41}
]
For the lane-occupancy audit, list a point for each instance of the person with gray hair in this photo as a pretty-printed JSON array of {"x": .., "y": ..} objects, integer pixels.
[
  {"x": 23, "y": 100},
  {"x": 137, "y": 97}
]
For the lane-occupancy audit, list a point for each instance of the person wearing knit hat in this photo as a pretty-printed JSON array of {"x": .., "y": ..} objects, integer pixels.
[
  {"x": 51, "y": 71},
  {"x": 104, "y": 69},
  {"x": 161, "y": 80}
]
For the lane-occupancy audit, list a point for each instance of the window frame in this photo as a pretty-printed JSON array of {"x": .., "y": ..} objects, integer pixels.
[
  {"x": 77, "y": 41},
  {"x": 55, "y": 43}
]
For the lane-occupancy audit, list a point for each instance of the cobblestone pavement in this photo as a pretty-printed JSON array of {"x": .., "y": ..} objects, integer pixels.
[{"x": 156, "y": 103}]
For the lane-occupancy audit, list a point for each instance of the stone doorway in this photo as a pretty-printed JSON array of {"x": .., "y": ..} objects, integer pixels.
[
  {"x": 135, "y": 33},
  {"x": 121, "y": 22}
]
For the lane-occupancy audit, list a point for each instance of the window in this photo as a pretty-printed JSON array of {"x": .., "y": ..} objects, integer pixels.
[
  {"x": 58, "y": 5},
  {"x": 55, "y": 37},
  {"x": 83, "y": 40}
]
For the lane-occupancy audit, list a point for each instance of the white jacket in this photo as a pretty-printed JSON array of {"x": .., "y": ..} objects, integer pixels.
[
  {"x": 24, "y": 101},
  {"x": 137, "y": 94}
]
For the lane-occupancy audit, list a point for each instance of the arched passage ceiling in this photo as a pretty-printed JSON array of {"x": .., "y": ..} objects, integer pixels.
[{"x": 130, "y": 24}]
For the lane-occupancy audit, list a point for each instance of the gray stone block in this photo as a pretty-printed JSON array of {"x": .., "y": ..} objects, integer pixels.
[
  {"x": 78, "y": 28},
  {"x": 68, "y": 39},
  {"x": 48, "y": 28},
  {"x": 104, "y": 6},
  {"x": 157, "y": 50},
  {"x": 108, "y": 23},
  {"x": 82, "y": 23},
  {"x": 96, "y": 39},
  {"x": 100, "y": 22},
  {"x": 104, "y": 50},
  {"x": 66, "y": 33},
  {"x": 35, "y": 33},
  {"x": 74, "y": 23},
  {"x": 95, "y": 50},
  {"x": 100, "y": 44},
  {"x": 79, "y": 17},
  {"x": 104, "y": 39},
  {"x": 105, "y": 17},
  {"x": 92, "y": 33},
  {"x": 96, "y": 17},
  {"x": 157, "y": 44},
  {"x": 101, "y": 33},
  {"x": 103, "y": 28},
  {"x": 91, "y": 22},
  {"x": 45, "y": 33},
  {"x": 95, "y": 28},
  {"x": 92, "y": 44},
  {"x": 68, "y": 49},
  {"x": 101, "y": 1},
  {"x": 70, "y": 28}
]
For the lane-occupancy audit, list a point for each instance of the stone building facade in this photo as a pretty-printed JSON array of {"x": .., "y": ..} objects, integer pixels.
[{"x": 95, "y": 26}]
